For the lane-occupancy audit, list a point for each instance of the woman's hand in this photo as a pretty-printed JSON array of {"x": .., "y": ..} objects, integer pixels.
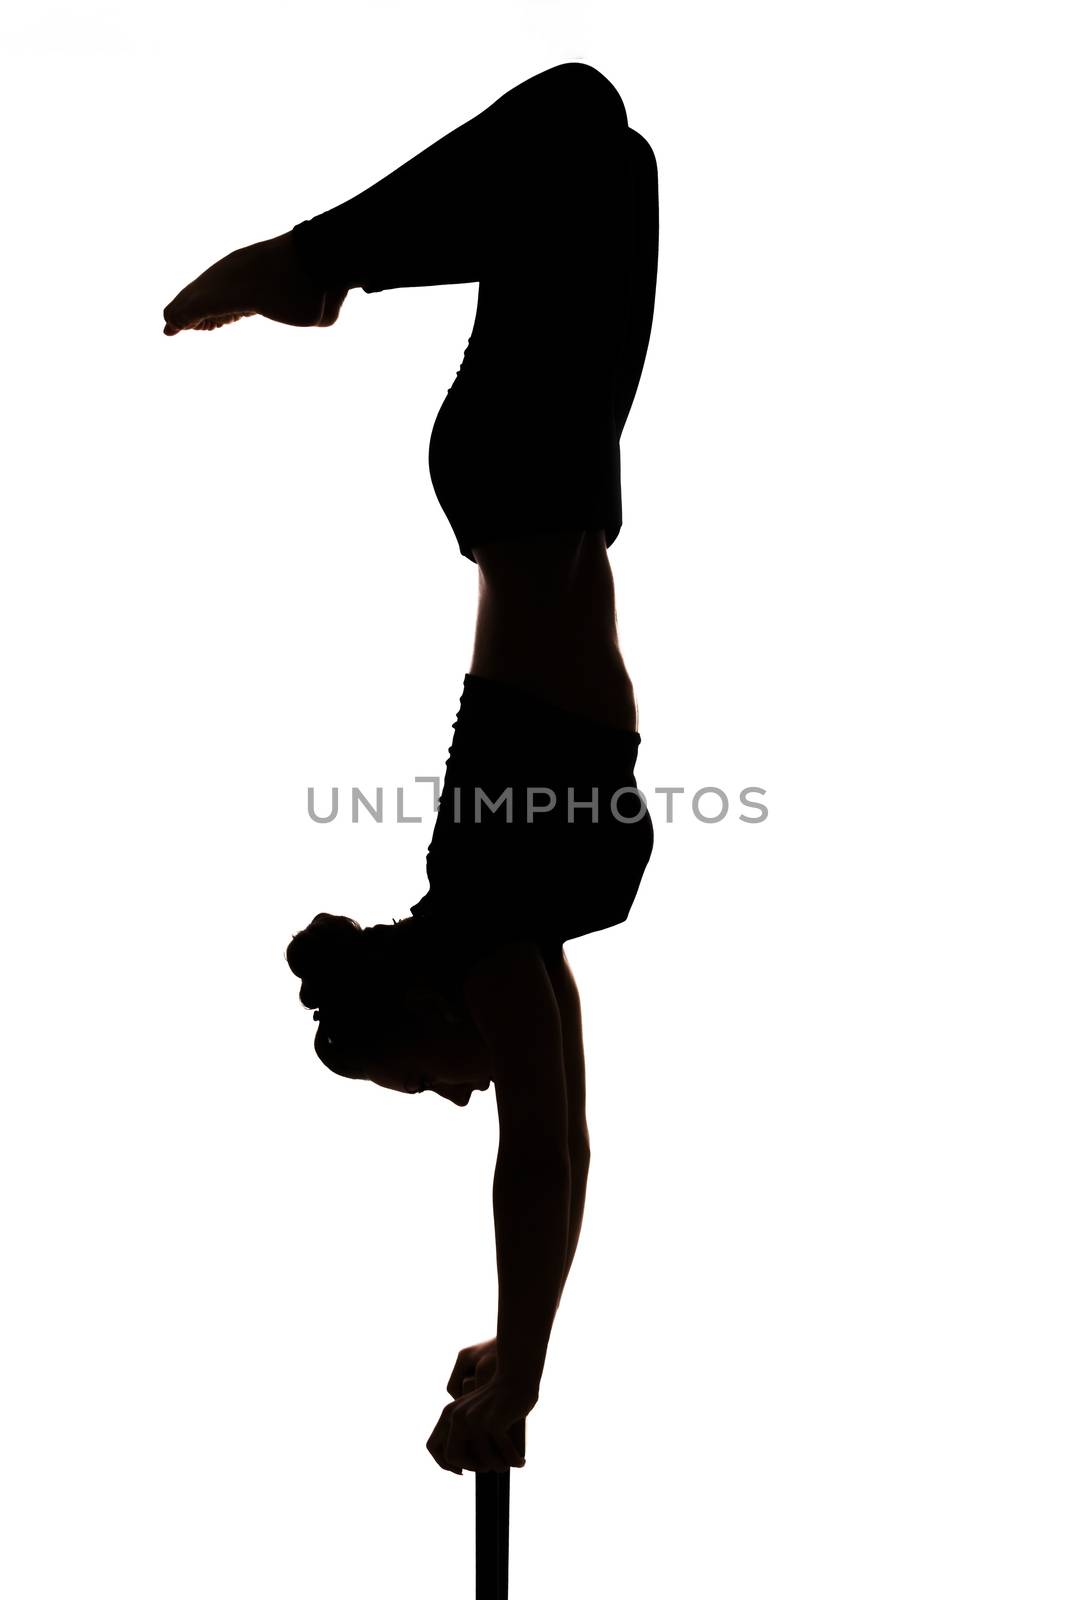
[
  {"x": 474, "y": 1367},
  {"x": 484, "y": 1431}
]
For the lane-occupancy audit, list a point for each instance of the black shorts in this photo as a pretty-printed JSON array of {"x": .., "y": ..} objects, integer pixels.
[{"x": 541, "y": 832}]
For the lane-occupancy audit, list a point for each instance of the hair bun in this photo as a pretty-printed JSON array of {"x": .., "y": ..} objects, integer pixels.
[
  {"x": 323, "y": 956},
  {"x": 359, "y": 982}
]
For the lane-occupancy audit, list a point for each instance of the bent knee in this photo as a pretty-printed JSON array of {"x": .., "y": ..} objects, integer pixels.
[
  {"x": 642, "y": 154},
  {"x": 583, "y": 94}
]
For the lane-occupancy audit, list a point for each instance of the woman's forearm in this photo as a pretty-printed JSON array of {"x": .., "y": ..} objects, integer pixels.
[
  {"x": 532, "y": 1212},
  {"x": 579, "y": 1179}
]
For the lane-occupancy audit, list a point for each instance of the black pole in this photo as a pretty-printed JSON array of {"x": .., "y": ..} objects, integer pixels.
[{"x": 491, "y": 1506}]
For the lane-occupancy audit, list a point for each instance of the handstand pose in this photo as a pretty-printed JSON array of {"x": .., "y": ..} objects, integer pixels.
[{"x": 549, "y": 201}]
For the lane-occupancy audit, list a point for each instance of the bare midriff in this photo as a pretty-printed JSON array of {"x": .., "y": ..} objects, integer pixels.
[{"x": 547, "y": 624}]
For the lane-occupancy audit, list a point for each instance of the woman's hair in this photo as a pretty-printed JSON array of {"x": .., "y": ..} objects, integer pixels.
[{"x": 359, "y": 982}]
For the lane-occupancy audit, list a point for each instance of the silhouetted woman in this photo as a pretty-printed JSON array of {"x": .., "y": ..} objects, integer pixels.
[{"x": 548, "y": 200}]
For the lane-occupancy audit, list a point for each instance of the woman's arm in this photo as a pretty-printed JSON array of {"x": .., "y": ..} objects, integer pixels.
[
  {"x": 569, "y": 1006},
  {"x": 579, "y": 1182},
  {"x": 512, "y": 1003},
  {"x": 568, "y": 1003}
]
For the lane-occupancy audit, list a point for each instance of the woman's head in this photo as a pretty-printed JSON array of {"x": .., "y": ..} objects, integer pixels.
[{"x": 382, "y": 1010}]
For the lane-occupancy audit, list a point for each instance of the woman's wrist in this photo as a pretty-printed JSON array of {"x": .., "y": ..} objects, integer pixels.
[{"x": 516, "y": 1390}]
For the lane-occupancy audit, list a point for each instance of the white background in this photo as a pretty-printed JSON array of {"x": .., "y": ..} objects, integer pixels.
[{"x": 812, "y": 1342}]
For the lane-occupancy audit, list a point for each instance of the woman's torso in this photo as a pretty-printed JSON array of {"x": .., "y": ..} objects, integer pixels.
[{"x": 546, "y": 624}]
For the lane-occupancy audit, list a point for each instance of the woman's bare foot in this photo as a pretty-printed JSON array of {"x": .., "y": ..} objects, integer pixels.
[{"x": 263, "y": 279}]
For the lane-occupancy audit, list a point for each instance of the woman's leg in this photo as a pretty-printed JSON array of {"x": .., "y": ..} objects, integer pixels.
[
  {"x": 496, "y": 192},
  {"x": 549, "y": 201},
  {"x": 527, "y": 441},
  {"x": 492, "y": 195}
]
